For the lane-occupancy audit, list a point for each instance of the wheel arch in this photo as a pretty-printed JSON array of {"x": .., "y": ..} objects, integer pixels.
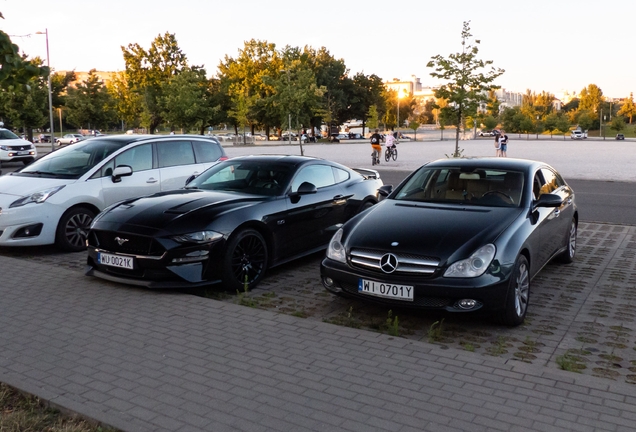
[{"x": 262, "y": 230}]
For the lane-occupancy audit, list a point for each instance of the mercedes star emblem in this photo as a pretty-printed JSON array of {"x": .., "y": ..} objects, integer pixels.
[{"x": 388, "y": 263}]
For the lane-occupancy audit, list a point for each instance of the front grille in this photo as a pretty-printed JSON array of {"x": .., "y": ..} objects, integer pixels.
[
  {"x": 20, "y": 148},
  {"x": 134, "y": 244},
  {"x": 421, "y": 301},
  {"x": 408, "y": 264}
]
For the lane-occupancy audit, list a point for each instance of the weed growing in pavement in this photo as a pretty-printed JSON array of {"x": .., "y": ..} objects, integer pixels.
[
  {"x": 467, "y": 346},
  {"x": 300, "y": 314},
  {"x": 21, "y": 412},
  {"x": 243, "y": 297},
  {"x": 345, "y": 319},
  {"x": 499, "y": 347},
  {"x": 570, "y": 362},
  {"x": 391, "y": 325},
  {"x": 435, "y": 331}
]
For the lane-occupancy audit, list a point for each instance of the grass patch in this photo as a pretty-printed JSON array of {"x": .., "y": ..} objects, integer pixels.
[{"x": 20, "y": 412}]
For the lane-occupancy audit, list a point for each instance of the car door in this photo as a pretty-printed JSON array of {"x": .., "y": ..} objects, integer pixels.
[
  {"x": 177, "y": 163},
  {"x": 546, "y": 221},
  {"x": 563, "y": 214},
  {"x": 311, "y": 219},
  {"x": 144, "y": 180}
]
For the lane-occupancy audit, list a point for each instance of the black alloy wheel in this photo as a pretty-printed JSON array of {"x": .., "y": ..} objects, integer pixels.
[
  {"x": 72, "y": 230},
  {"x": 518, "y": 295},
  {"x": 245, "y": 260}
]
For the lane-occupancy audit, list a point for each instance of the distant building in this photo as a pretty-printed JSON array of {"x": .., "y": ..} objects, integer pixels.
[{"x": 105, "y": 77}]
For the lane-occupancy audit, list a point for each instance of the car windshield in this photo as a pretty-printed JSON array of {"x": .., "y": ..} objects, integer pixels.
[
  {"x": 7, "y": 134},
  {"x": 455, "y": 185},
  {"x": 73, "y": 161},
  {"x": 250, "y": 177}
]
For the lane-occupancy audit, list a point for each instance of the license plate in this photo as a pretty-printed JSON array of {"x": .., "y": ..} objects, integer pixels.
[
  {"x": 383, "y": 289},
  {"x": 20, "y": 153},
  {"x": 116, "y": 261}
]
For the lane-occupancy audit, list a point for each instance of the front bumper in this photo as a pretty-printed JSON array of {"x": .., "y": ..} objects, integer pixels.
[
  {"x": 29, "y": 225},
  {"x": 436, "y": 292}
]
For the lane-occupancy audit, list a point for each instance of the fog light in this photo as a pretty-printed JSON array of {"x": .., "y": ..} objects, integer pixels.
[
  {"x": 327, "y": 282},
  {"x": 467, "y": 304}
]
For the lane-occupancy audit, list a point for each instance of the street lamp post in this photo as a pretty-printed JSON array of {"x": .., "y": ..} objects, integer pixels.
[{"x": 48, "y": 63}]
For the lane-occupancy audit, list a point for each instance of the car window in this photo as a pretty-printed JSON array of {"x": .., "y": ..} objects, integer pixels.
[
  {"x": 7, "y": 134},
  {"x": 551, "y": 181},
  {"x": 340, "y": 175},
  {"x": 318, "y": 175},
  {"x": 207, "y": 151},
  {"x": 172, "y": 153},
  {"x": 139, "y": 158},
  {"x": 245, "y": 177}
]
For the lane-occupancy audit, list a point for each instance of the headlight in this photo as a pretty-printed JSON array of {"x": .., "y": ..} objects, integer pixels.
[
  {"x": 336, "y": 250},
  {"x": 473, "y": 266},
  {"x": 198, "y": 237},
  {"x": 36, "y": 198},
  {"x": 3, "y": 147}
]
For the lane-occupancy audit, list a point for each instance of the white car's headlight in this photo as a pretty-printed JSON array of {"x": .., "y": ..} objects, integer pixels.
[
  {"x": 336, "y": 250},
  {"x": 198, "y": 237},
  {"x": 473, "y": 266},
  {"x": 36, "y": 198}
]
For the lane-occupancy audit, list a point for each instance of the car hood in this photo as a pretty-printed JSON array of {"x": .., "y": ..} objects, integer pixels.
[
  {"x": 445, "y": 232},
  {"x": 19, "y": 186},
  {"x": 160, "y": 210}
]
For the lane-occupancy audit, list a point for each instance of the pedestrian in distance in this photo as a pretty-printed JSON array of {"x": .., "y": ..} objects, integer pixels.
[
  {"x": 503, "y": 143},
  {"x": 497, "y": 145}
]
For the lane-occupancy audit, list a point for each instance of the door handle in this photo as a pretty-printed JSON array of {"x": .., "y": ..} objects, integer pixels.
[{"x": 152, "y": 180}]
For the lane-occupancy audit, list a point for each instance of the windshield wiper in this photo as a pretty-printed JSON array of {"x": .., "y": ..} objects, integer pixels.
[{"x": 38, "y": 172}]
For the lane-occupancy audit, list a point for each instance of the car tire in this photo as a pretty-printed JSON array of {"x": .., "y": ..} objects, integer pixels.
[
  {"x": 567, "y": 256},
  {"x": 245, "y": 260},
  {"x": 518, "y": 295},
  {"x": 72, "y": 230}
]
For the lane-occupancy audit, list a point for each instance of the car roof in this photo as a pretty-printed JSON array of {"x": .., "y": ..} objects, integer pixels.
[
  {"x": 511, "y": 164},
  {"x": 124, "y": 139}
]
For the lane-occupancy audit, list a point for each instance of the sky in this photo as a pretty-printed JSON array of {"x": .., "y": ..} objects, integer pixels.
[{"x": 543, "y": 45}]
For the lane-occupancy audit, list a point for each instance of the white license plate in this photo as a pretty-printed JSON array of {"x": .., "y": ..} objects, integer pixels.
[
  {"x": 116, "y": 261},
  {"x": 20, "y": 153},
  {"x": 383, "y": 289}
]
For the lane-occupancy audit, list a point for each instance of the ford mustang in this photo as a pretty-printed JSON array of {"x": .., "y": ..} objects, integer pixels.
[
  {"x": 229, "y": 224},
  {"x": 461, "y": 235}
]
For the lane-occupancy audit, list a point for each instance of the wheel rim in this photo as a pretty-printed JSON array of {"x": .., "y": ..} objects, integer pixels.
[
  {"x": 572, "y": 240},
  {"x": 522, "y": 290},
  {"x": 77, "y": 229},
  {"x": 248, "y": 259},
  {"x": 395, "y": 154}
]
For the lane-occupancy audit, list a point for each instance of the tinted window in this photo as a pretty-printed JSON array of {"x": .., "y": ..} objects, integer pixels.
[
  {"x": 173, "y": 153},
  {"x": 318, "y": 175},
  {"x": 207, "y": 151}
]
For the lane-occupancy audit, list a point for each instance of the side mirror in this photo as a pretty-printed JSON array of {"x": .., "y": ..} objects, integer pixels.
[
  {"x": 548, "y": 200},
  {"x": 121, "y": 171},
  {"x": 306, "y": 188},
  {"x": 189, "y": 179},
  {"x": 385, "y": 190}
]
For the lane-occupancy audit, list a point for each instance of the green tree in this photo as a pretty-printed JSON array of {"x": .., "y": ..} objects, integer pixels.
[
  {"x": 372, "y": 118},
  {"x": 490, "y": 122},
  {"x": 562, "y": 124},
  {"x": 414, "y": 125},
  {"x": 15, "y": 69},
  {"x": 186, "y": 100},
  {"x": 367, "y": 93},
  {"x": 148, "y": 72},
  {"x": 585, "y": 119},
  {"x": 628, "y": 109},
  {"x": 617, "y": 124},
  {"x": 466, "y": 84},
  {"x": 127, "y": 103},
  {"x": 591, "y": 98},
  {"x": 89, "y": 105},
  {"x": 492, "y": 104},
  {"x": 25, "y": 106}
]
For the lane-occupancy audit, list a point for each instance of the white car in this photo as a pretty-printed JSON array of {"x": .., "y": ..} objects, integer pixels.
[
  {"x": 69, "y": 139},
  {"x": 576, "y": 134},
  {"x": 15, "y": 149},
  {"x": 54, "y": 199}
]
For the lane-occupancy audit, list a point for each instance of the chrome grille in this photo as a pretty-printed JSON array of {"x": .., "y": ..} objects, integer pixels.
[
  {"x": 136, "y": 244},
  {"x": 407, "y": 263}
]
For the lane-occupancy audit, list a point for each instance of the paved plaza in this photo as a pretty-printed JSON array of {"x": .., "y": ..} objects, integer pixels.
[{"x": 142, "y": 360}]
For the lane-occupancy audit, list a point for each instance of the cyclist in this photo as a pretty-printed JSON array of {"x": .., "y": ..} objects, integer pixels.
[
  {"x": 390, "y": 141},
  {"x": 376, "y": 139}
]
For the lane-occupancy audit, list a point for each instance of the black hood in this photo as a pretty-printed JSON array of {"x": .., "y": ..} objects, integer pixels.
[
  {"x": 160, "y": 210},
  {"x": 436, "y": 231}
]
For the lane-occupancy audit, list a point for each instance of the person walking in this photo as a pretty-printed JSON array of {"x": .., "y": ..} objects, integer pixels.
[
  {"x": 497, "y": 145},
  {"x": 503, "y": 143},
  {"x": 376, "y": 138}
]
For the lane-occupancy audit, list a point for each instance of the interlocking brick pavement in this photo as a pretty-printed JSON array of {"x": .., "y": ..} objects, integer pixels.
[{"x": 143, "y": 360}]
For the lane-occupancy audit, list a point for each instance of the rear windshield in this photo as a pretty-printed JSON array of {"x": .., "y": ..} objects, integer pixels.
[{"x": 485, "y": 187}]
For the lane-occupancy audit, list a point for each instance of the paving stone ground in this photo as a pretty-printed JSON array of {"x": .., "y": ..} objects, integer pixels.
[{"x": 143, "y": 360}]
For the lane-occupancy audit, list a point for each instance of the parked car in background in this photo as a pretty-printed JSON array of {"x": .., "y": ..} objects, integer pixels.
[
  {"x": 54, "y": 199},
  {"x": 620, "y": 136},
  {"x": 44, "y": 138},
  {"x": 230, "y": 224},
  {"x": 576, "y": 134},
  {"x": 486, "y": 133},
  {"x": 457, "y": 235},
  {"x": 69, "y": 139},
  {"x": 15, "y": 149}
]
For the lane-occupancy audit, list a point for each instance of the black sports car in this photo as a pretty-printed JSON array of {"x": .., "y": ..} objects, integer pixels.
[
  {"x": 229, "y": 224},
  {"x": 459, "y": 235}
]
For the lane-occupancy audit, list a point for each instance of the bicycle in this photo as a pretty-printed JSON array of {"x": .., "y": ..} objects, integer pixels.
[
  {"x": 390, "y": 152},
  {"x": 375, "y": 157}
]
